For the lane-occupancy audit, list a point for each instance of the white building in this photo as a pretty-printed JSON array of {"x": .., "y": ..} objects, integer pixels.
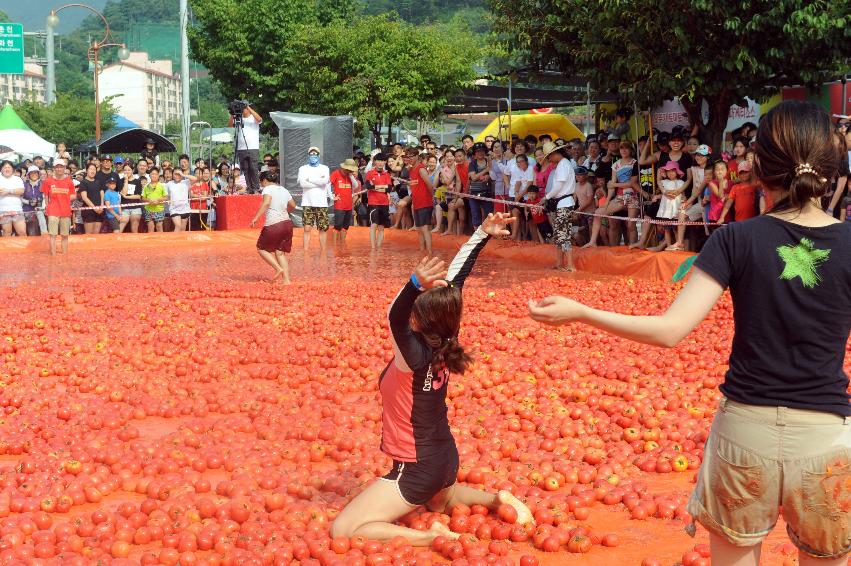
[
  {"x": 147, "y": 92},
  {"x": 29, "y": 86}
]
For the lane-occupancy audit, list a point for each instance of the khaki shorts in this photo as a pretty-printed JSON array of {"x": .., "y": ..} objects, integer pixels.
[
  {"x": 58, "y": 225},
  {"x": 759, "y": 459}
]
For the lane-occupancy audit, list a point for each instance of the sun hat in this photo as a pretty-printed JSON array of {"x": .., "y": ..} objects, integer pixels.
[
  {"x": 313, "y": 149},
  {"x": 349, "y": 165},
  {"x": 550, "y": 147},
  {"x": 703, "y": 150},
  {"x": 33, "y": 169},
  {"x": 672, "y": 166}
]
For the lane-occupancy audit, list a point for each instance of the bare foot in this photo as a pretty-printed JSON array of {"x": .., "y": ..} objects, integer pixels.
[
  {"x": 524, "y": 515},
  {"x": 441, "y": 530},
  {"x": 589, "y": 245},
  {"x": 636, "y": 245},
  {"x": 272, "y": 279},
  {"x": 446, "y": 234}
]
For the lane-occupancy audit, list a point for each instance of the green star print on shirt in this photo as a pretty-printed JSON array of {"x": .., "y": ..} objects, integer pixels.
[{"x": 802, "y": 261}]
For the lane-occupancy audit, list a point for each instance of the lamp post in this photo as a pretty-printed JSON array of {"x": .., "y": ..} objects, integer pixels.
[{"x": 123, "y": 53}]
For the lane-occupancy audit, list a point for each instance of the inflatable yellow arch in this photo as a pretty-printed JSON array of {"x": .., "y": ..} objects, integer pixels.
[{"x": 556, "y": 125}]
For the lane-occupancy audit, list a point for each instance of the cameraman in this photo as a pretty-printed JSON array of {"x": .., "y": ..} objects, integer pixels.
[{"x": 248, "y": 147}]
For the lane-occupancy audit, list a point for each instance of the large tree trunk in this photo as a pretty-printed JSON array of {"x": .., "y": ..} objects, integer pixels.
[{"x": 711, "y": 132}]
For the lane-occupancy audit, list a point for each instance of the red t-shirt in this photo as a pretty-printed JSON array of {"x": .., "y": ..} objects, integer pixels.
[
  {"x": 463, "y": 170},
  {"x": 375, "y": 198},
  {"x": 744, "y": 201},
  {"x": 421, "y": 196},
  {"x": 198, "y": 194},
  {"x": 342, "y": 183},
  {"x": 59, "y": 192}
]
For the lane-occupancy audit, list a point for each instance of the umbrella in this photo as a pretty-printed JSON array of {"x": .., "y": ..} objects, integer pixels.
[{"x": 128, "y": 140}]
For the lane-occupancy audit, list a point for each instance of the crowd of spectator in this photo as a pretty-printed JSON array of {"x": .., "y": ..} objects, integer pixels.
[{"x": 667, "y": 193}]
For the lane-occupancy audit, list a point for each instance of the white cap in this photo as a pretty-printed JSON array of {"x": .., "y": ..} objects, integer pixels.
[
  {"x": 33, "y": 169},
  {"x": 59, "y": 162}
]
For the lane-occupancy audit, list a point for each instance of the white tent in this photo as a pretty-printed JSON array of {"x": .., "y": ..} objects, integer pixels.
[{"x": 15, "y": 134}]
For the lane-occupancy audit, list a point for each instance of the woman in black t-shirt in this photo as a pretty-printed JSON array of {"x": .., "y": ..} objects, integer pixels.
[
  {"x": 781, "y": 438},
  {"x": 91, "y": 193}
]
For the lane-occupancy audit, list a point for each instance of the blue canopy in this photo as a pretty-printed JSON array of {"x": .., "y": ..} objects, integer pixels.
[{"x": 121, "y": 123}]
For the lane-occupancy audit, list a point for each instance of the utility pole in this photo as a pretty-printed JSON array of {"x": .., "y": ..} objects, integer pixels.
[
  {"x": 184, "y": 75},
  {"x": 50, "y": 95}
]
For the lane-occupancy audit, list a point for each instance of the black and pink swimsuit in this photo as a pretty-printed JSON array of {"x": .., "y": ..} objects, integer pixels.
[{"x": 415, "y": 429}]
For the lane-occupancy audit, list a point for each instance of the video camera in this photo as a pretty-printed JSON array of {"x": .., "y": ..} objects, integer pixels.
[{"x": 237, "y": 107}]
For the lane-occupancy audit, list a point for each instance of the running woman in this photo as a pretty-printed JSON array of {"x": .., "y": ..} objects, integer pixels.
[
  {"x": 781, "y": 439},
  {"x": 424, "y": 320}
]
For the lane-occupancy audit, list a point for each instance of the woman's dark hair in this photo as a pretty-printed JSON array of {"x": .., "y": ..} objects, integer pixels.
[
  {"x": 269, "y": 176},
  {"x": 90, "y": 164},
  {"x": 222, "y": 166},
  {"x": 7, "y": 162},
  {"x": 796, "y": 153},
  {"x": 438, "y": 315},
  {"x": 741, "y": 139}
]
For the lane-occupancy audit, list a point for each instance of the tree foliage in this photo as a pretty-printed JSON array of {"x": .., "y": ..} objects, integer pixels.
[
  {"x": 697, "y": 50},
  {"x": 373, "y": 67},
  {"x": 70, "y": 120}
]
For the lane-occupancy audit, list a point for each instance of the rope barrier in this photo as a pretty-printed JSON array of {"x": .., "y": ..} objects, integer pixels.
[
  {"x": 623, "y": 218},
  {"x": 29, "y": 213}
]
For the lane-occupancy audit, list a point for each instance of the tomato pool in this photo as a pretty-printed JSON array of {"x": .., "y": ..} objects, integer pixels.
[{"x": 164, "y": 405}]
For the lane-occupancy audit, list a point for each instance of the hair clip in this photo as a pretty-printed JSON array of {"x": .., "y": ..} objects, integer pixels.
[{"x": 804, "y": 168}]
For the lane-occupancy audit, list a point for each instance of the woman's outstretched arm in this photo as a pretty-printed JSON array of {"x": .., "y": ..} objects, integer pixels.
[{"x": 690, "y": 307}]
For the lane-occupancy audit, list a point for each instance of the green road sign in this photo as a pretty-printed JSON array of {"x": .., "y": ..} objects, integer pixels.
[{"x": 11, "y": 49}]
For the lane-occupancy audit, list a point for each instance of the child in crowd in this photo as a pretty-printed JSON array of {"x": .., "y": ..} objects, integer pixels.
[
  {"x": 61, "y": 153},
  {"x": 671, "y": 185},
  {"x": 154, "y": 194},
  {"x": 706, "y": 197},
  {"x": 198, "y": 193},
  {"x": 720, "y": 187},
  {"x": 743, "y": 196},
  {"x": 111, "y": 200},
  {"x": 540, "y": 226}
]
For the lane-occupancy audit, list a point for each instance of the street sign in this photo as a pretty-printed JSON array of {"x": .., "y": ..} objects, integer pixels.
[{"x": 11, "y": 49}]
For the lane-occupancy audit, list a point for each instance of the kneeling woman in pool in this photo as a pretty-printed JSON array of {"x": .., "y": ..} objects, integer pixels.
[{"x": 424, "y": 319}]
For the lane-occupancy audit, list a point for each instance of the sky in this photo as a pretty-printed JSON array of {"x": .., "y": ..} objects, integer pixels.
[{"x": 32, "y": 13}]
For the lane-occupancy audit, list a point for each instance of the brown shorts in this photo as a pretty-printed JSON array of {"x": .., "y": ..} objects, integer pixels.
[
  {"x": 58, "y": 225},
  {"x": 277, "y": 237},
  {"x": 759, "y": 459}
]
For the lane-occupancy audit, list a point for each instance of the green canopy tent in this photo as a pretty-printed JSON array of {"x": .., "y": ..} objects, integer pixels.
[{"x": 17, "y": 136}]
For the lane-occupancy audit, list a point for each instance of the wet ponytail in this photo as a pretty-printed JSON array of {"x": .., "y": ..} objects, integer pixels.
[
  {"x": 797, "y": 154},
  {"x": 448, "y": 353},
  {"x": 438, "y": 314}
]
